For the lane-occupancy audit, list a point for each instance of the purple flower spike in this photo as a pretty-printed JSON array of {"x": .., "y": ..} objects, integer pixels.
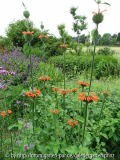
[
  {"x": 31, "y": 144},
  {"x": 2, "y": 86},
  {"x": 27, "y": 125},
  {"x": 19, "y": 119},
  {"x": 3, "y": 72},
  {"x": 17, "y": 142},
  {"x": 12, "y": 73},
  {"x": 25, "y": 147},
  {"x": 1, "y": 68}
]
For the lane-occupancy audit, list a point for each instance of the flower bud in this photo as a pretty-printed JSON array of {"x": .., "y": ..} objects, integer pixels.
[
  {"x": 98, "y": 1},
  {"x": 26, "y": 14},
  {"x": 98, "y": 18},
  {"x": 28, "y": 37}
]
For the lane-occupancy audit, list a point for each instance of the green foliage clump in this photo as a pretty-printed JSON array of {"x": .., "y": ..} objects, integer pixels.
[
  {"x": 75, "y": 48},
  {"x": 104, "y": 65},
  {"x": 52, "y": 48},
  {"x": 15, "y": 36},
  {"x": 105, "y": 51}
]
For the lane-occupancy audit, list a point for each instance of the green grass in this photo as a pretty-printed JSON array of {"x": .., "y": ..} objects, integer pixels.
[{"x": 117, "y": 49}]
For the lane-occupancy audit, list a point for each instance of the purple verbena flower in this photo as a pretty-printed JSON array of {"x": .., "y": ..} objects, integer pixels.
[
  {"x": 3, "y": 86},
  {"x": 19, "y": 119},
  {"x": 25, "y": 104},
  {"x": 18, "y": 102},
  {"x": 12, "y": 73},
  {"x": 25, "y": 147},
  {"x": 3, "y": 72},
  {"x": 17, "y": 142},
  {"x": 27, "y": 125},
  {"x": 31, "y": 144}
]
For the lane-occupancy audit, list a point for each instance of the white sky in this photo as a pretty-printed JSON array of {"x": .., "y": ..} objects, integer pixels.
[{"x": 55, "y": 12}]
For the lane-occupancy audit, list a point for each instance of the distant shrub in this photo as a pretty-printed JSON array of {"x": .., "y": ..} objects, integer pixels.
[
  {"x": 52, "y": 48},
  {"x": 105, "y": 51},
  {"x": 103, "y": 65}
]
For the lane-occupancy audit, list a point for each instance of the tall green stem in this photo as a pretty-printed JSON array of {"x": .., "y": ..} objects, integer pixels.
[
  {"x": 92, "y": 64},
  {"x": 85, "y": 65},
  {"x": 31, "y": 66},
  {"x": 103, "y": 102},
  {"x": 85, "y": 122}
]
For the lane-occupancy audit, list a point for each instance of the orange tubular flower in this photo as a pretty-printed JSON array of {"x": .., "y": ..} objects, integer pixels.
[
  {"x": 44, "y": 78},
  {"x": 55, "y": 112},
  {"x": 74, "y": 90},
  {"x": 28, "y": 32},
  {"x": 34, "y": 94},
  {"x": 55, "y": 89},
  {"x": 62, "y": 45},
  {"x": 64, "y": 91},
  {"x": 9, "y": 111},
  {"x": 72, "y": 122},
  {"x": 3, "y": 113},
  {"x": 87, "y": 98},
  {"x": 105, "y": 93},
  {"x": 99, "y": 11},
  {"x": 43, "y": 36},
  {"x": 83, "y": 83}
]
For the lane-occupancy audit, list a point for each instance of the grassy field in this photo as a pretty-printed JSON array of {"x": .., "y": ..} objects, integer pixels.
[{"x": 117, "y": 49}]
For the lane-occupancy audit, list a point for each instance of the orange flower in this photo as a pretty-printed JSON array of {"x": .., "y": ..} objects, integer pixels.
[
  {"x": 105, "y": 93},
  {"x": 55, "y": 112},
  {"x": 99, "y": 11},
  {"x": 55, "y": 89},
  {"x": 3, "y": 113},
  {"x": 43, "y": 36},
  {"x": 28, "y": 32},
  {"x": 74, "y": 90},
  {"x": 33, "y": 94},
  {"x": 72, "y": 122},
  {"x": 44, "y": 78},
  {"x": 64, "y": 91},
  {"x": 62, "y": 45},
  {"x": 83, "y": 83},
  {"x": 87, "y": 98},
  {"x": 9, "y": 111}
]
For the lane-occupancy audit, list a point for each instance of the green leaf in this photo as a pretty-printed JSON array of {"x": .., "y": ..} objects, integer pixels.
[
  {"x": 106, "y": 3},
  {"x": 115, "y": 137},
  {"x": 12, "y": 126},
  {"x": 110, "y": 134},
  {"x": 94, "y": 34},
  {"x": 97, "y": 139},
  {"x": 72, "y": 149},
  {"x": 104, "y": 135},
  {"x": 41, "y": 148}
]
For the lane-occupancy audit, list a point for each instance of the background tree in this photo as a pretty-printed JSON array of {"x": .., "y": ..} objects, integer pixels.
[
  {"x": 83, "y": 38},
  {"x": 118, "y": 37},
  {"x": 105, "y": 39},
  {"x": 14, "y": 32},
  {"x": 98, "y": 39},
  {"x": 79, "y": 24},
  {"x": 114, "y": 36}
]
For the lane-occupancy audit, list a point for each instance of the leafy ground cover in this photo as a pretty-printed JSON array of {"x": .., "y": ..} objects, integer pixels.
[{"x": 53, "y": 132}]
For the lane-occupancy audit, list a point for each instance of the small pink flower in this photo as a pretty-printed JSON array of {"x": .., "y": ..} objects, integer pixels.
[{"x": 25, "y": 147}]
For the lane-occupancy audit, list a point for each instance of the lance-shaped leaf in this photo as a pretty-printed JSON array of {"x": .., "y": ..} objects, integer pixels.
[
  {"x": 94, "y": 34},
  {"x": 106, "y": 3}
]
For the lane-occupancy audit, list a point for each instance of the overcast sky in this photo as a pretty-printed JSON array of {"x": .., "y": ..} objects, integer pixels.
[{"x": 55, "y": 12}]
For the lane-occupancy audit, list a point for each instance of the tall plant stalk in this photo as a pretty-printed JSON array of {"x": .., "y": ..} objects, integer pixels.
[{"x": 85, "y": 122}]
